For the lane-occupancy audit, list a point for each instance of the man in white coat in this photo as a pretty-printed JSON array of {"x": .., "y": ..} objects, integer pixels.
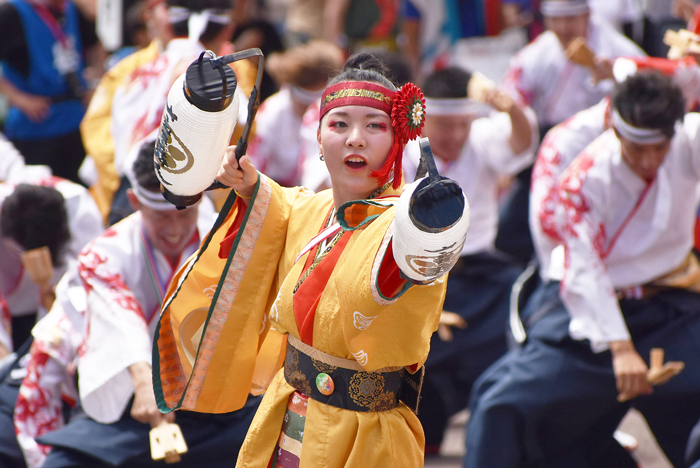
[
  {"x": 566, "y": 140},
  {"x": 545, "y": 79},
  {"x": 627, "y": 282},
  {"x": 556, "y": 88},
  {"x": 125, "y": 273}
]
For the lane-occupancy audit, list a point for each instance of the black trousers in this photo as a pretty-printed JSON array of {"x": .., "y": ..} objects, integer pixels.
[
  {"x": 213, "y": 440},
  {"x": 478, "y": 289},
  {"x": 553, "y": 402}
]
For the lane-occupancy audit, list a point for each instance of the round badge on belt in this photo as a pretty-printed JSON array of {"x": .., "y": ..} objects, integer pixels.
[{"x": 325, "y": 384}]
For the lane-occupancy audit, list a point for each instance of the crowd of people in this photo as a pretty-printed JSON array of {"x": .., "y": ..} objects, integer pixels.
[{"x": 335, "y": 296}]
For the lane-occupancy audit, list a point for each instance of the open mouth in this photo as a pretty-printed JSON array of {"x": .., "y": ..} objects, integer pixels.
[
  {"x": 355, "y": 162},
  {"x": 172, "y": 241}
]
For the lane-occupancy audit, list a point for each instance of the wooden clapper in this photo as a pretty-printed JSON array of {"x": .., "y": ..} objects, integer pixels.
[
  {"x": 579, "y": 53},
  {"x": 167, "y": 443},
  {"x": 659, "y": 373},
  {"x": 39, "y": 267},
  {"x": 479, "y": 86},
  {"x": 681, "y": 43}
]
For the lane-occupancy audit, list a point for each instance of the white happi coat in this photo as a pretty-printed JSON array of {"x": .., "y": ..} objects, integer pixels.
[
  {"x": 139, "y": 101},
  {"x": 84, "y": 223},
  {"x": 561, "y": 146},
  {"x": 542, "y": 76},
  {"x": 123, "y": 305},
  {"x": 275, "y": 148},
  {"x": 485, "y": 156},
  {"x": 620, "y": 232},
  {"x": 50, "y": 372}
]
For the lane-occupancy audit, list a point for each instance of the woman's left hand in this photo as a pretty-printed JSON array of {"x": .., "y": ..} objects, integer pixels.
[{"x": 242, "y": 180}]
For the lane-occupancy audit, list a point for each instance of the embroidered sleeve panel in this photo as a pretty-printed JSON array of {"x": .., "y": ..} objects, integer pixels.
[{"x": 216, "y": 304}]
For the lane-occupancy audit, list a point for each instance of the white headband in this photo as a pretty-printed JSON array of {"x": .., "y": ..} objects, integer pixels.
[
  {"x": 152, "y": 200},
  {"x": 304, "y": 96},
  {"x": 558, "y": 8},
  {"x": 455, "y": 106},
  {"x": 197, "y": 21},
  {"x": 642, "y": 136}
]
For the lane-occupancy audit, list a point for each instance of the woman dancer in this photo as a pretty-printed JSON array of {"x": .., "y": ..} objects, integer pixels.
[{"x": 340, "y": 288}]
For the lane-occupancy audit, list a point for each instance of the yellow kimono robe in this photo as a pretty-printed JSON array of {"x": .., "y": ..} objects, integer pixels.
[{"x": 219, "y": 339}]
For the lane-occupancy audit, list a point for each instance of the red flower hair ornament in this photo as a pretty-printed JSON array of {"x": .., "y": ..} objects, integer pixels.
[{"x": 406, "y": 107}]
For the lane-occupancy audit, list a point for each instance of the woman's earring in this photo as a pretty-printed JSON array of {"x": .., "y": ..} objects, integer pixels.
[{"x": 321, "y": 157}]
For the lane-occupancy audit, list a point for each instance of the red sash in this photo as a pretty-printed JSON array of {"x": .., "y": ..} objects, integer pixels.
[{"x": 309, "y": 293}]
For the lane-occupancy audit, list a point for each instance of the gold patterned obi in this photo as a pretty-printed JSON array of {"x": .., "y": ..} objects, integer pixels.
[{"x": 344, "y": 384}]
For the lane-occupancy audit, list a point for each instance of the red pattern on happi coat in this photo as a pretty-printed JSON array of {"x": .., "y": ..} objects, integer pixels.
[
  {"x": 545, "y": 172},
  {"x": 144, "y": 76},
  {"x": 93, "y": 270},
  {"x": 576, "y": 205},
  {"x": 37, "y": 411},
  {"x": 513, "y": 80}
]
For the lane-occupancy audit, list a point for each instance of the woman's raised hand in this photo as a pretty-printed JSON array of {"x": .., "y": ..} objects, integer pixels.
[{"x": 242, "y": 179}]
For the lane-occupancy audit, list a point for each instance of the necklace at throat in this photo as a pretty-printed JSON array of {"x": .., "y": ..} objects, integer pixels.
[
  {"x": 323, "y": 247},
  {"x": 329, "y": 236}
]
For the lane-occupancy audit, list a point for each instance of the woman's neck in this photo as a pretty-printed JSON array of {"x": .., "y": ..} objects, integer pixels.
[{"x": 340, "y": 198}]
